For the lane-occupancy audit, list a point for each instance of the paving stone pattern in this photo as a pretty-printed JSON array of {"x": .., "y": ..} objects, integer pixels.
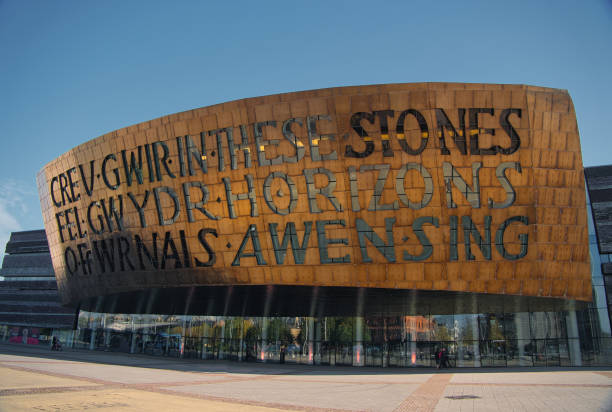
[{"x": 34, "y": 379}]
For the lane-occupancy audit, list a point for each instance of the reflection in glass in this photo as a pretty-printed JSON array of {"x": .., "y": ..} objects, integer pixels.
[
  {"x": 519, "y": 352},
  {"x": 442, "y": 328},
  {"x": 570, "y": 338}
]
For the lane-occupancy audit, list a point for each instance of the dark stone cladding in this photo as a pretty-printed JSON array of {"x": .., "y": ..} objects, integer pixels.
[
  {"x": 28, "y": 294},
  {"x": 599, "y": 186},
  {"x": 30, "y": 241}
]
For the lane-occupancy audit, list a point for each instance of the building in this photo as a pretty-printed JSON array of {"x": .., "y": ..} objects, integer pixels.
[
  {"x": 599, "y": 191},
  {"x": 366, "y": 225},
  {"x": 30, "y": 307}
]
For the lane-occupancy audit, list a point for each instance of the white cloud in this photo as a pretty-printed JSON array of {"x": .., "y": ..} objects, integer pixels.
[
  {"x": 8, "y": 224},
  {"x": 14, "y": 207}
]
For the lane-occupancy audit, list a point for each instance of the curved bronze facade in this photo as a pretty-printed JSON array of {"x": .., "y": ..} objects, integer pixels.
[{"x": 436, "y": 187}]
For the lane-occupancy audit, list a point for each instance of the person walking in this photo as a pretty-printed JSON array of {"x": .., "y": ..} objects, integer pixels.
[
  {"x": 444, "y": 359},
  {"x": 56, "y": 345}
]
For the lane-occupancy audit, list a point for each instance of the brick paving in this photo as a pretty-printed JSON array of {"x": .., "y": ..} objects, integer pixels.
[
  {"x": 33, "y": 378},
  {"x": 426, "y": 397}
]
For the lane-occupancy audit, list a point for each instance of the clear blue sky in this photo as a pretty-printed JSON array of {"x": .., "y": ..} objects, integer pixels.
[{"x": 73, "y": 70}]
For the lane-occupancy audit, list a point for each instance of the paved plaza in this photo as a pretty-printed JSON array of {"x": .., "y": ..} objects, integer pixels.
[{"x": 35, "y": 379}]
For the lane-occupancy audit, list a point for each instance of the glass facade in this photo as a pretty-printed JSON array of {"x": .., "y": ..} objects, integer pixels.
[
  {"x": 574, "y": 338},
  {"x": 571, "y": 338}
]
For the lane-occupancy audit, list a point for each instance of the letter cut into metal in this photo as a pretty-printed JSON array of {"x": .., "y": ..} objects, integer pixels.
[
  {"x": 470, "y": 230},
  {"x": 458, "y": 136},
  {"x": 500, "y": 173},
  {"x": 160, "y": 209},
  {"x": 356, "y": 125},
  {"x": 400, "y": 132},
  {"x": 293, "y": 193},
  {"x": 326, "y": 191},
  {"x": 212, "y": 257},
  {"x": 400, "y": 186},
  {"x": 288, "y": 134},
  {"x": 324, "y": 242},
  {"x": 375, "y": 200},
  {"x": 261, "y": 144},
  {"x": 452, "y": 176},
  {"x": 417, "y": 228},
  {"x": 365, "y": 231},
  {"x": 523, "y": 238},
  {"x": 290, "y": 234},
  {"x": 315, "y": 139},
  {"x": 199, "y": 205},
  {"x": 232, "y": 198},
  {"x": 252, "y": 235}
]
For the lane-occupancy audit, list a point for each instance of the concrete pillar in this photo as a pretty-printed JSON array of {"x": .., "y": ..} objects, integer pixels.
[
  {"x": 264, "y": 338},
  {"x": 167, "y": 341},
  {"x": 413, "y": 353},
  {"x": 475, "y": 340},
  {"x": 93, "y": 323},
  {"x": 310, "y": 326},
  {"x": 132, "y": 335},
  {"x": 182, "y": 337},
  {"x": 132, "y": 339},
  {"x": 92, "y": 339},
  {"x": 203, "y": 351},
  {"x": 319, "y": 337},
  {"x": 573, "y": 339},
  {"x": 241, "y": 354},
  {"x": 70, "y": 339},
  {"x": 358, "y": 342},
  {"x": 385, "y": 344},
  {"x": 523, "y": 336}
]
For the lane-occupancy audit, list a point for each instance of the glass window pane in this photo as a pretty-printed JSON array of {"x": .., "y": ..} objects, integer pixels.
[
  {"x": 599, "y": 297},
  {"x": 538, "y": 347},
  {"x": 468, "y": 354},
  {"x": 418, "y": 328},
  {"x": 467, "y": 327},
  {"x": 545, "y": 325},
  {"x": 491, "y": 326},
  {"x": 519, "y": 352},
  {"x": 443, "y": 328},
  {"x": 373, "y": 354},
  {"x": 420, "y": 353},
  {"x": 493, "y": 353}
]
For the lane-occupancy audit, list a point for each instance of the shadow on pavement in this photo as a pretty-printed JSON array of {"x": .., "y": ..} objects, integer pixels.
[{"x": 198, "y": 365}]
